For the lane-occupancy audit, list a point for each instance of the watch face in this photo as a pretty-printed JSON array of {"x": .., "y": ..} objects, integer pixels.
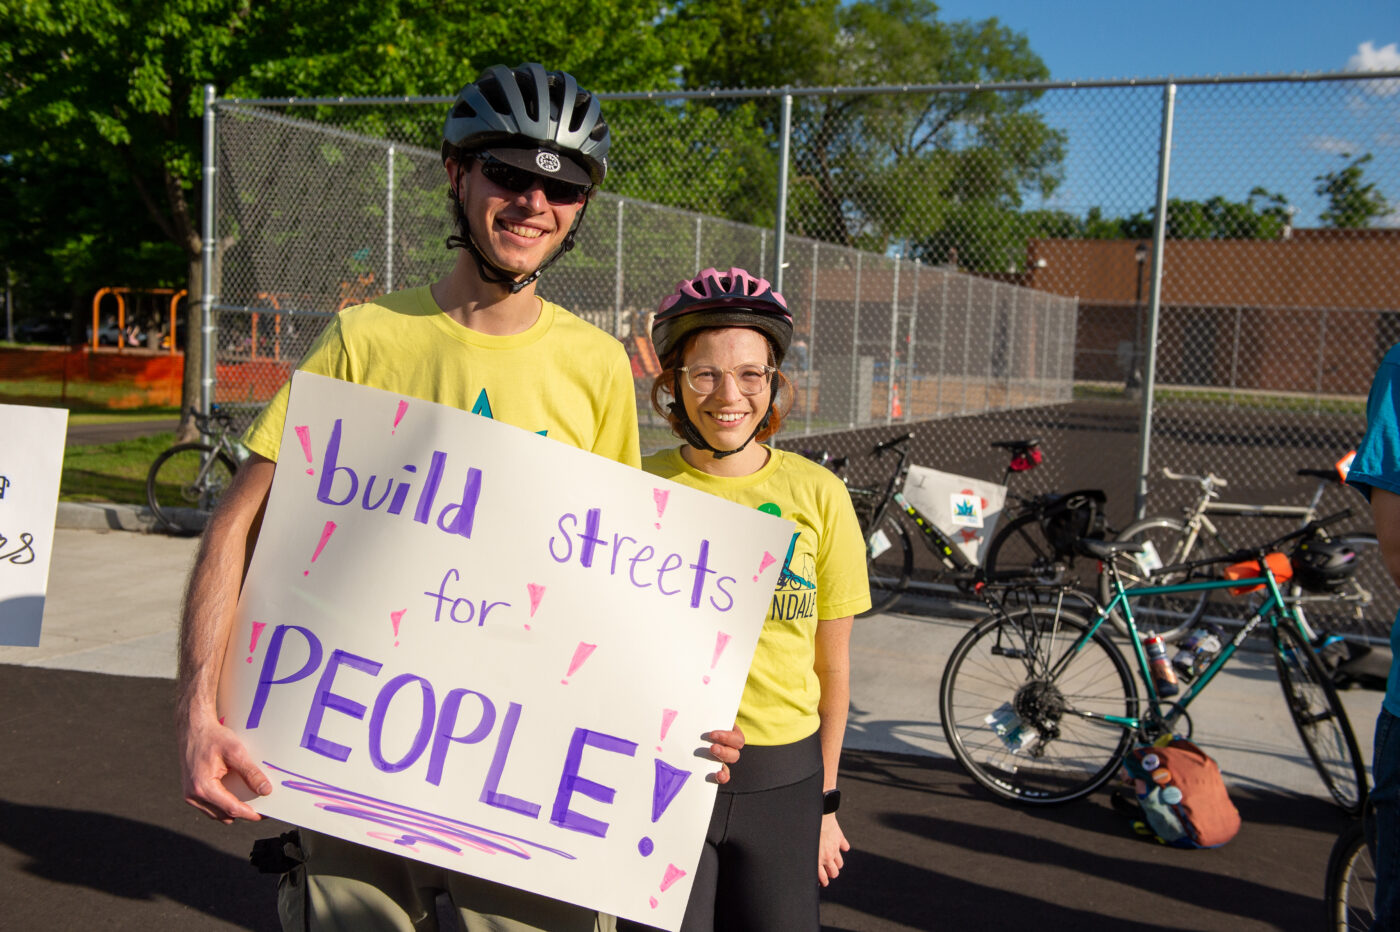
[{"x": 831, "y": 801}]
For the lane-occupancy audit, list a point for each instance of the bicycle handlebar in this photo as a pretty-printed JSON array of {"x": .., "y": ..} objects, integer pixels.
[
  {"x": 1208, "y": 481},
  {"x": 884, "y": 445},
  {"x": 1251, "y": 553}
]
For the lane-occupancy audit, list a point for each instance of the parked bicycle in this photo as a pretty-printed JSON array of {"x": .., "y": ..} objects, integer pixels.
[
  {"x": 1040, "y": 706},
  {"x": 1350, "y": 893},
  {"x": 1194, "y": 536},
  {"x": 186, "y": 481},
  {"x": 1036, "y": 541}
]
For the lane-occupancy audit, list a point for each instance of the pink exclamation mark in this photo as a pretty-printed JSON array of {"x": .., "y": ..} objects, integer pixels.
[
  {"x": 581, "y": 653},
  {"x": 304, "y": 435},
  {"x": 536, "y": 593},
  {"x": 673, "y": 873},
  {"x": 403, "y": 406},
  {"x": 394, "y": 619},
  {"x": 767, "y": 561},
  {"x": 667, "y": 717},
  {"x": 721, "y": 641},
  {"x": 257, "y": 631},
  {"x": 660, "y": 496},
  {"x": 326, "y": 533}
]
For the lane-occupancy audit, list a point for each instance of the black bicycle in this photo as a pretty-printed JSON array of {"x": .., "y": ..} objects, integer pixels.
[
  {"x": 1038, "y": 542},
  {"x": 186, "y": 481}
]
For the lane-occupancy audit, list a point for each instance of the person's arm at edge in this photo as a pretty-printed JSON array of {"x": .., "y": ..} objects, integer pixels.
[
  {"x": 208, "y": 749},
  {"x": 833, "y": 668},
  {"x": 1385, "y": 512}
]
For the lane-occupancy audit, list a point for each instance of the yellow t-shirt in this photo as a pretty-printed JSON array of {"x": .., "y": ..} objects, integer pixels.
[
  {"x": 562, "y": 377},
  {"x": 824, "y": 576}
]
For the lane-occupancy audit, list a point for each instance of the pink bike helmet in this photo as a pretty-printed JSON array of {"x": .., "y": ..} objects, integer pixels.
[{"x": 722, "y": 299}]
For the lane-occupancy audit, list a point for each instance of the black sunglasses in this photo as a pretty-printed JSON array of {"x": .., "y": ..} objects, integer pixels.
[{"x": 518, "y": 181}]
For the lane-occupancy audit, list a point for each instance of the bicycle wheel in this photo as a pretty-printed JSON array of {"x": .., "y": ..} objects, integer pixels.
[
  {"x": 889, "y": 552},
  {"x": 1167, "y": 615},
  {"x": 189, "y": 477},
  {"x": 1351, "y": 880},
  {"x": 1020, "y": 546},
  {"x": 1022, "y": 709},
  {"x": 1321, "y": 720}
]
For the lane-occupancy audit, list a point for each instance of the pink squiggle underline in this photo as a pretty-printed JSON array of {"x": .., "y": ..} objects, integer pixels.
[{"x": 428, "y": 827}]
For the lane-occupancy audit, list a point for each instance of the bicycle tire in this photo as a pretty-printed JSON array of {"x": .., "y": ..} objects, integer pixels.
[
  {"x": 171, "y": 491},
  {"x": 1020, "y": 546},
  {"x": 1003, "y": 661},
  {"x": 1351, "y": 881},
  {"x": 1321, "y": 720},
  {"x": 1167, "y": 615},
  {"x": 889, "y": 562}
]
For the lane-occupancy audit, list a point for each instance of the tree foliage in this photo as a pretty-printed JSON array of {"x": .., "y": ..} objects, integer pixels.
[{"x": 1352, "y": 202}]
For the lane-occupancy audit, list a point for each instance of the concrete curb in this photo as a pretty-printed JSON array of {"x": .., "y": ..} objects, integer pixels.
[{"x": 108, "y": 516}]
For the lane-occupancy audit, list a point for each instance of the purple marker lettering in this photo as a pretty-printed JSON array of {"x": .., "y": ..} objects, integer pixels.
[
  {"x": 430, "y": 487},
  {"x": 463, "y": 512},
  {"x": 325, "y": 699},
  {"x": 490, "y": 793},
  {"x": 729, "y": 596},
  {"x": 641, "y": 556},
  {"x": 590, "y": 536},
  {"x": 401, "y": 493},
  {"x": 568, "y": 554},
  {"x": 369, "y": 488},
  {"x": 617, "y": 550},
  {"x": 330, "y": 468},
  {"x": 447, "y": 720},
  {"x": 571, "y": 783},
  {"x": 381, "y": 709},
  {"x": 267, "y": 677},
  {"x": 701, "y": 567},
  {"x": 667, "y": 783},
  {"x": 672, "y": 562}
]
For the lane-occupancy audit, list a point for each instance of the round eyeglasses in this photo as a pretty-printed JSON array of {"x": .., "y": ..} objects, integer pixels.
[{"x": 750, "y": 377}]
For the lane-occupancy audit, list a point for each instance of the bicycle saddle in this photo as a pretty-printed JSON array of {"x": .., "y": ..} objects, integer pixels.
[
  {"x": 1105, "y": 549},
  {"x": 1329, "y": 475},
  {"x": 1017, "y": 444}
]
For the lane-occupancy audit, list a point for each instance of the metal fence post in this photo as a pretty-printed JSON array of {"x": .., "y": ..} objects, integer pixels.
[
  {"x": 909, "y": 343},
  {"x": 811, "y": 331},
  {"x": 894, "y": 346},
  {"x": 780, "y": 232},
  {"x": 389, "y": 226},
  {"x": 1154, "y": 301},
  {"x": 855, "y": 346},
  {"x": 698, "y": 219},
  {"x": 617, "y": 275},
  {"x": 206, "y": 284}
]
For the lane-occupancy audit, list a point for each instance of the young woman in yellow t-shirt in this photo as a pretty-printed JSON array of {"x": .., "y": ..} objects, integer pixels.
[{"x": 774, "y": 834}]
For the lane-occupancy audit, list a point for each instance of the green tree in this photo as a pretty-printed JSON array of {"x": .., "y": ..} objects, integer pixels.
[
  {"x": 1352, "y": 202},
  {"x": 879, "y": 171},
  {"x": 101, "y": 101}
]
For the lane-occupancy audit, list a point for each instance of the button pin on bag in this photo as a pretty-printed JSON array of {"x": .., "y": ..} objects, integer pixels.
[
  {"x": 1162, "y": 776},
  {"x": 1171, "y": 795}
]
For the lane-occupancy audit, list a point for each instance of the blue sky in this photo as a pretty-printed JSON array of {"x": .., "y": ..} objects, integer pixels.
[
  {"x": 1227, "y": 139},
  {"x": 1102, "y": 39}
]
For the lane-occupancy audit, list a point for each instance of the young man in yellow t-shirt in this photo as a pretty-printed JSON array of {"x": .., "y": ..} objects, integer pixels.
[{"x": 478, "y": 339}]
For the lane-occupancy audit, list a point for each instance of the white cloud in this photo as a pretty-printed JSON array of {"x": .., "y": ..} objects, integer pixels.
[
  {"x": 1333, "y": 145},
  {"x": 1370, "y": 58}
]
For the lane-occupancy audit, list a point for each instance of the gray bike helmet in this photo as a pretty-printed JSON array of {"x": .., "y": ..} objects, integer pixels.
[
  {"x": 537, "y": 120},
  {"x": 526, "y": 107}
]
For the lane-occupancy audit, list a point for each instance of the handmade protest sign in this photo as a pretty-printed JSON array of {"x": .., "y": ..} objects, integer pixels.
[
  {"x": 31, "y": 461},
  {"x": 471, "y": 645}
]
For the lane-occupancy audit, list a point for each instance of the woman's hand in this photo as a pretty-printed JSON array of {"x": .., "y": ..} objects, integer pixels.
[
  {"x": 725, "y": 749},
  {"x": 833, "y": 844}
]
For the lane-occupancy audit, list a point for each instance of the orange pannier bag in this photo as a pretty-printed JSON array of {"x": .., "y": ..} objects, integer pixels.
[{"x": 1279, "y": 563}]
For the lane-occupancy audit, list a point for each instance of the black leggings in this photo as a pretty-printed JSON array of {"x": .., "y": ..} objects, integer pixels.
[{"x": 758, "y": 869}]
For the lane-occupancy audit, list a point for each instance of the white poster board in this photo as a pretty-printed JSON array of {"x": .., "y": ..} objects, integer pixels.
[
  {"x": 967, "y": 510},
  {"x": 31, "y": 463},
  {"x": 471, "y": 645}
]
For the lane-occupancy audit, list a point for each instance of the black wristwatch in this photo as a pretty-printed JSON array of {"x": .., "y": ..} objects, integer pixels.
[{"x": 831, "y": 801}]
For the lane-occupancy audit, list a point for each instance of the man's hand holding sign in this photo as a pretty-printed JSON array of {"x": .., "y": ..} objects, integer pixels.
[{"x": 476, "y": 647}]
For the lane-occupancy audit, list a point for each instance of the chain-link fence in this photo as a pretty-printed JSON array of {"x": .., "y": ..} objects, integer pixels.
[{"x": 972, "y": 263}]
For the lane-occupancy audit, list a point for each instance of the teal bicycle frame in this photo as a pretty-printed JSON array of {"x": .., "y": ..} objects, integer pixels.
[{"x": 1273, "y": 608}]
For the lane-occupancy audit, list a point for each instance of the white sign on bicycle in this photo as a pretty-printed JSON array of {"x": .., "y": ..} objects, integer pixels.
[{"x": 965, "y": 509}]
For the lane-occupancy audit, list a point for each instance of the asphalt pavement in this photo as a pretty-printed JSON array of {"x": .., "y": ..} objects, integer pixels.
[{"x": 93, "y": 832}]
